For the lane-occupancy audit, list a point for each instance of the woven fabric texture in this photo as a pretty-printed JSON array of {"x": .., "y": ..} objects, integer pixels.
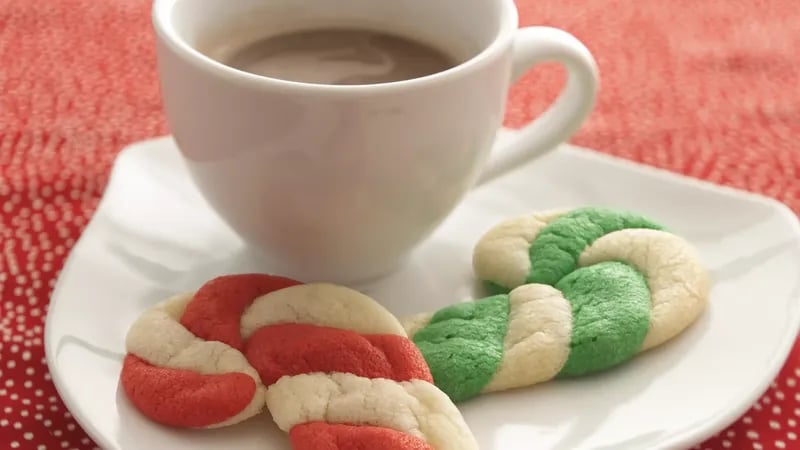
[{"x": 705, "y": 88}]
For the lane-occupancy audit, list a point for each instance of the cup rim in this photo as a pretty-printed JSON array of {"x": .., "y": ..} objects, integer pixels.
[{"x": 161, "y": 19}]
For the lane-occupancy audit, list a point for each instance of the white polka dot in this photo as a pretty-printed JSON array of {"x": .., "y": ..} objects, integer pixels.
[
  {"x": 774, "y": 425},
  {"x": 14, "y": 444},
  {"x": 757, "y": 406},
  {"x": 64, "y": 444},
  {"x": 776, "y": 409},
  {"x": 70, "y": 427},
  {"x": 41, "y": 447},
  {"x": 780, "y": 444},
  {"x": 24, "y": 413},
  {"x": 3, "y": 422},
  {"x": 797, "y": 411},
  {"x": 752, "y": 434},
  {"x": 47, "y": 422},
  {"x": 28, "y": 384},
  {"x": 10, "y": 364},
  {"x": 37, "y": 416},
  {"x": 17, "y": 425},
  {"x": 38, "y": 392},
  {"x": 766, "y": 400},
  {"x": 726, "y": 443},
  {"x": 7, "y": 410},
  {"x": 757, "y": 446},
  {"x": 28, "y": 436},
  {"x": 779, "y": 395},
  {"x": 791, "y": 381},
  {"x": 26, "y": 355},
  {"x": 57, "y": 433},
  {"x": 29, "y": 371}
]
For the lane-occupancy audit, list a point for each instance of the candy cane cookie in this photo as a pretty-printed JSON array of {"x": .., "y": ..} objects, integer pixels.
[
  {"x": 577, "y": 292},
  {"x": 334, "y": 368}
]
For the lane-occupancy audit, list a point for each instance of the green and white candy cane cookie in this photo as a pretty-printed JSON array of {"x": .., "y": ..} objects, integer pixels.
[{"x": 578, "y": 292}]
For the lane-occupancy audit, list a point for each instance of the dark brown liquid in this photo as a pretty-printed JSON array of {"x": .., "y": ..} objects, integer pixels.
[{"x": 337, "y": 56}]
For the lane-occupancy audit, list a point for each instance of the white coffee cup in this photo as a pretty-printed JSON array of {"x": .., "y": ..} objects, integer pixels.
[{"x": 339, "y": 183}]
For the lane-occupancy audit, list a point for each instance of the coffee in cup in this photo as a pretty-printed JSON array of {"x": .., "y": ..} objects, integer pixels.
[{"x": 342, "y": 56}]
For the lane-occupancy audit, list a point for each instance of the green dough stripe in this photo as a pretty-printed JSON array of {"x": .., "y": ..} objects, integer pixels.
[
  {"x": 610, "y": 301},
  {"x": 610, "y": 316},
  {"x": 555, "y": 251},
  {"x": 463, "y": 345}
]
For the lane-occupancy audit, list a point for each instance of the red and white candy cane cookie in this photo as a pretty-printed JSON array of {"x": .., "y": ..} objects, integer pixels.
[
  {"x": 185, "y": 365},
  {"x": 335, "y": 369}
]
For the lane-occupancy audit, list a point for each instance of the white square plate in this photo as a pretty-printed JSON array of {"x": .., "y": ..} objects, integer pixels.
[{"x": 153, "y": 236}]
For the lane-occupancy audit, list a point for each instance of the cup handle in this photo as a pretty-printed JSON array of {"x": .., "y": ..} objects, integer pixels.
[{"x": 535, "y": 45}]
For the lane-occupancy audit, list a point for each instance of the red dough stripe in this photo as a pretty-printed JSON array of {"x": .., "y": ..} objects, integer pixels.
[
  {"x": 215, "y": 312},
  {"x": 184, "y": 398},
  {"x": 326, "y": 436},
  {"x": 293, "y": 349}
]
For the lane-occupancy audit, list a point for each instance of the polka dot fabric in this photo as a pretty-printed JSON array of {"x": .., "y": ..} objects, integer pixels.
[{"x": 703, "y": 88}]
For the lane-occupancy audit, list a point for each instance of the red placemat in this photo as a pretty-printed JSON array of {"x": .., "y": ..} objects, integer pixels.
[{"x": 708, "y": 88}]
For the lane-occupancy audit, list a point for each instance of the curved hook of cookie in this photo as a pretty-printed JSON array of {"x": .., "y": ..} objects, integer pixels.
[
  {"x": 185, "y": 365},
  {"x": 562, "y": 247},
  {"x": 178, "y": 379},
  {"x": 578, "y": 292}
]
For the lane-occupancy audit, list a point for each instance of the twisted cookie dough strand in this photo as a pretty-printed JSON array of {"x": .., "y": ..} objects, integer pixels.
[
  {"x": 495, "y": 343},
  {"x": 341, "y": 374},
  {"x": 589, "y": 289}
]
